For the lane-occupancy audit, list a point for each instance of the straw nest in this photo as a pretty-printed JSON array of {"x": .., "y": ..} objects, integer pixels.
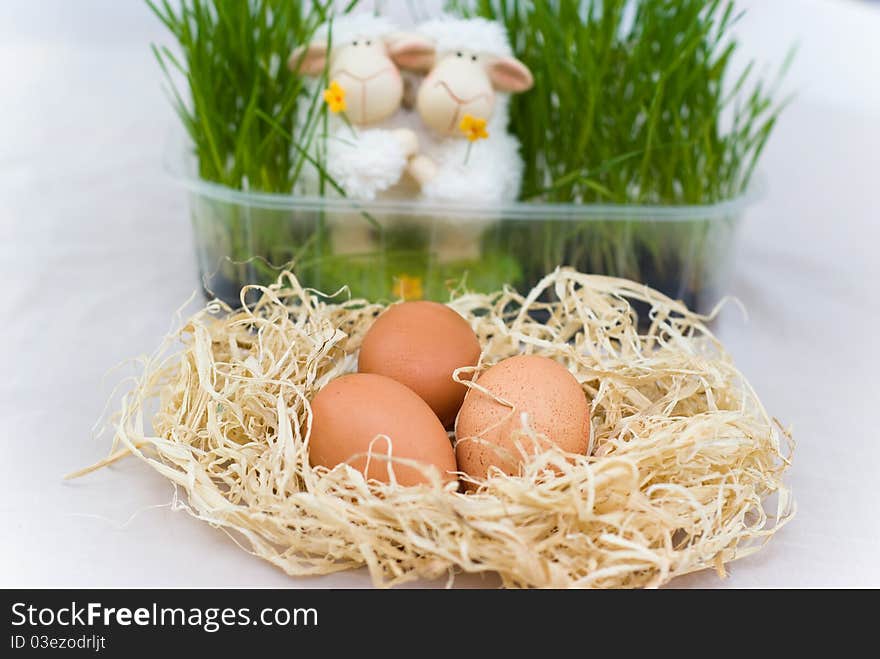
[{"x": 684, "y": 471}]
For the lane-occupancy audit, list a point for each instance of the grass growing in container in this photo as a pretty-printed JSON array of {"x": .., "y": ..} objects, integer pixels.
[
  {"x": 252, "y": 124},
  {"x": 632, "y": 104},
  {"x": 243, "y": 111},
  {"x": 239, "y": 91}
]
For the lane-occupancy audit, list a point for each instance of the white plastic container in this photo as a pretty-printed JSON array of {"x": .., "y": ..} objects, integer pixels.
[{"x": 387, "y": 250}]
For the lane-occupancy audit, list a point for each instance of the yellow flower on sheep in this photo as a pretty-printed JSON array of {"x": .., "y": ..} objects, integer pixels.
[
  {"x": 334, "y": 97},
  {"x": 474, "y": 128},
  {"x": 407, "y": 288}
]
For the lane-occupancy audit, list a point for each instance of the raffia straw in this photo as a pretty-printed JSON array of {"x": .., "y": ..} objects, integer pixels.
[{"x": 683, "y": 464}]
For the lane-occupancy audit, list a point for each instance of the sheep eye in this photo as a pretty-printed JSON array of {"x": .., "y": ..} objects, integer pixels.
[
  {"x": 459, "y": 54},
  {"x": 473, "y": 58},
  {"x": 354, "y": 43},
  {"x": 367, "y": 42}
]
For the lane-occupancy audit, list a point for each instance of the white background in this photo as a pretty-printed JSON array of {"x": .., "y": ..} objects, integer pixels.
[{"x": 96, "y": 254}]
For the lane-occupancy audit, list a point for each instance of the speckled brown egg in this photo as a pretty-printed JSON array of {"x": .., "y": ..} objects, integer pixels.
[
  {"x": 540, "y": 387},
  {"x": 352, "y": 410},
  {"x": 420, "y": 344}
]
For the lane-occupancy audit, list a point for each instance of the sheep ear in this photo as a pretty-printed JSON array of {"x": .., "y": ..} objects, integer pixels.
[
  {"x": 309, "y": 60},
  {"x": 510, "y": 75},
  {"x": 410, "y": 51}
]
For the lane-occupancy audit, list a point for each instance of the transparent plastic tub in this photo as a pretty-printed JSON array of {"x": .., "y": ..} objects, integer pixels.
[{"x": 386, "y": 250}]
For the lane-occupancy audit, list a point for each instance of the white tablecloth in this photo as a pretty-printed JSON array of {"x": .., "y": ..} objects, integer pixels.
[{"x": 96, "y": 255}]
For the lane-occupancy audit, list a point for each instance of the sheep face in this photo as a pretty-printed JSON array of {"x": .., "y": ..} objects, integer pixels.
[
  {"x": 457, "y": 85},
  {"x": 464, "y": 82},
  {"x": 372, "y": 83},
  {"x": 365, "y": 68}
]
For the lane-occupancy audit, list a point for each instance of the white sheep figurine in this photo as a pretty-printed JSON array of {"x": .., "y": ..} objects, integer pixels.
[
  {"x": 470, "y": 71},
  {"x": 369, "y": 157}
]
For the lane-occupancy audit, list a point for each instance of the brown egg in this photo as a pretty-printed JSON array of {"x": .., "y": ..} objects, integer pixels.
[
  {"x": 538, "y": 386},
  {"x": 352, "y": 410},
  {"x": 420, "y": 344}
]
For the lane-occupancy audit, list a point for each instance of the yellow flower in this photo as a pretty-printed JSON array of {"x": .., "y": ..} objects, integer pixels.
[
  {"x": 407, "y": 288},
  {"x": 473, "y": 128},
  {"x": 334, "y": 97}
]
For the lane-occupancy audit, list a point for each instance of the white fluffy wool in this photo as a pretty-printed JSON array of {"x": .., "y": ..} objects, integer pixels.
[
  {"x": 348, "y": 27},
  {"x": 492, "y": 174},
  {"x": 478, "y": 34},
  {"x": 367, "y": 164}
]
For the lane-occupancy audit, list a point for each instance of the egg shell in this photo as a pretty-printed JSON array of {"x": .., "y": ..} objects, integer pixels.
[
  {"x": 352, "y": 410},
  {"x": 420, "y": 344},
  {"x": 542, "y": 388}
]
